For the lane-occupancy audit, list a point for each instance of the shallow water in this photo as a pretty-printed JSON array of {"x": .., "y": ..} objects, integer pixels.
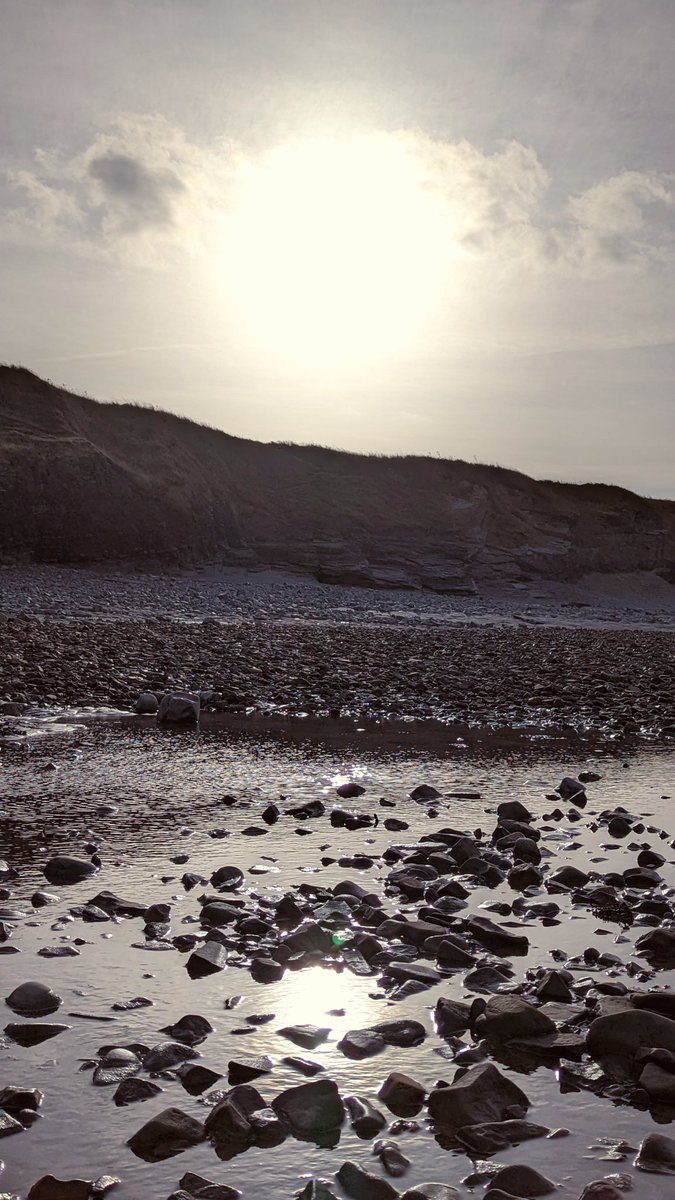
[{"x": 167, "y": 790}]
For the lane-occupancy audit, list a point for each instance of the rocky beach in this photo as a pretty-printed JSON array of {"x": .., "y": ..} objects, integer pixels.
[{"x": 395, "y": 917}]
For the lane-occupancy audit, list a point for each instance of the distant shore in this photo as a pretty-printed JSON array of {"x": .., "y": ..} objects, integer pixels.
[{"x": 278, "y": 645}]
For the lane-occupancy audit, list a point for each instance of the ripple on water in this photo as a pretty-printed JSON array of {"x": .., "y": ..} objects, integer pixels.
[{"x": 166, "y": 793}]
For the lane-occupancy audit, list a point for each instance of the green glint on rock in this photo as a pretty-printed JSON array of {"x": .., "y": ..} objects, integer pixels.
[{"x": 339, "y": 939}]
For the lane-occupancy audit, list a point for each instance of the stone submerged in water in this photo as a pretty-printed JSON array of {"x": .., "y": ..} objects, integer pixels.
[
  {"x": 63, "y": 869},
  {"x": 33, "y": 999},
  {"x": 508, "y": 1017},
  {"x": 50, "y": 1188},
  {"x": 521, "y": 1180},
  {"x": 430, "y": 1191},
  {"x": 32, "y": 1035},
  {"x": 625, "y": 1033},
  {"x": 311, "y": 1107},
  {"x": 363, "y": 1185},
  {"x": 179, "y": 708},
  {"x": 657, "y": 1154},
  {"x": 116, "y": 1065},
  {"x": 480, "y": 1094},
  {"x": 165, "y": 1135}
]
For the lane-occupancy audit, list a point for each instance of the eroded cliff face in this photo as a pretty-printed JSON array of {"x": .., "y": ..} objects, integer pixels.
[{"x": 82, "y": 481}]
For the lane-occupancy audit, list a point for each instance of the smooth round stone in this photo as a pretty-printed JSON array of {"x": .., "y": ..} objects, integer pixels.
[
  {"x": 33, "y": 999},
  {"x": 118, "y": 1064}
]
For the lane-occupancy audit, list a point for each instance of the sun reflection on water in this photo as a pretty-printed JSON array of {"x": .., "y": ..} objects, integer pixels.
[{"x": 326, "y": 997}]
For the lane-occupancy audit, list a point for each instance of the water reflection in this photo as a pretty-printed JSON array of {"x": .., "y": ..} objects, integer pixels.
[{"x": 148, "y": 798}]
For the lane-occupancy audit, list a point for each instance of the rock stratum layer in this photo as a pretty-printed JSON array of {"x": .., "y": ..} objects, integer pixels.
[{"x": 82, "y": 481}]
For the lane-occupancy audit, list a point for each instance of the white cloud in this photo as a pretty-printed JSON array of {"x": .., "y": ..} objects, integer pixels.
[{"x": 142, "y": 191}]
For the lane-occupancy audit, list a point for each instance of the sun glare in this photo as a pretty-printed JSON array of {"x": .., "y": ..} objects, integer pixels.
[{"x": 335, "y": 249}]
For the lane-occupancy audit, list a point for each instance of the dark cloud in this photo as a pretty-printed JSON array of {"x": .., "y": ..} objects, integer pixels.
[{"x": 141, "y": 197}]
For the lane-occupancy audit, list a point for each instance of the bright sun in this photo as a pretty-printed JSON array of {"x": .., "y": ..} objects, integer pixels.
[{"x": 335, "y": 249}]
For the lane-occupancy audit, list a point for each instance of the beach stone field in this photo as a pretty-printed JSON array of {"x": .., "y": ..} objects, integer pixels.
[
  {"x": 319, "y": 900},
  {"x": 288, "y": 646}
]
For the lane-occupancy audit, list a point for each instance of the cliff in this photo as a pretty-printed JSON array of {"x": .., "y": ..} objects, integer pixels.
[{"x": 82, "y": 481}]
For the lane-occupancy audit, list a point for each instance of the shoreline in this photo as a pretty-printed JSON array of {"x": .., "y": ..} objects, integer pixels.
[{"x": 612, "y": 683}]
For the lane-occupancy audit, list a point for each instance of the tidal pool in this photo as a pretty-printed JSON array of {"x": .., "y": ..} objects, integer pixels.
[{"x": 142, "y": 796}]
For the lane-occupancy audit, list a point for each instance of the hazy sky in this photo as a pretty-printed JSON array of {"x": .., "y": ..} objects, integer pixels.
[{"x": 432, "y": 226}]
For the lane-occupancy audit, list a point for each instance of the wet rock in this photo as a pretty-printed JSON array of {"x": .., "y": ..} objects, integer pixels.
[
  {"x": 349, "y": 791},
  {"x": 650, "y": 858},
  {"x": 513, "y": 810},
  {"x": 624, "y": 1033},
  {"x": 32, "y": 1035},
  {"x": 403, "y": 1095},
  {"x": 63, "y": 869},
  {"x": 642, "y": 878},
  {"x": 179, "y": 708},
  {"x": 452, "y": 956},
  {"x": 9, "y": 1124},
  {"x": 51, "y": 1188},
  {"x": 165, "y": 1135},
  {"x": 147, "y": 704},
  {"x": 304, "y": 1065},
  {"x": 363, "y": 1185},
  {"x": 521, "y": 1180},
  {"x": 190, "y": 1030},
  {"x": 196, "y": 1079},
  {"x": 522, "y": 877},
  {"x": 430, "y": 1191},
  {"x": 116, "y": 905},
  {"x": 657, "y": 1154},
  {"x": 495, "y": 938},
  {"x": 401, "y": 1033},
  {"x": 245, "y": 1068},
  {"x": 203, "y": 1189},
  {"x": 488, "y": 1137},
  {"x": 618, "y": 827},
  {"x": 658, "y": 1002},
  {"x": 554, "y": 986},
  {"x": 480, "y": 1094},
  {"x": 658, "y": 946},
  {"x": 315, "y": 1189},
  {"x": 33, "y": 999},
  {"x": 572, "y": 791},
  {"x": 451, "y": 1016},
  {"x": 601, "y": 1189},
  {"x": 526, "y": 851},
  {"x": 165, "y": 1055},
  {"x": 266, "y": 970},
  {"x": 417, "y": 972},
  {"x": 508, "y": 1017},
  {"x": 207, "y": 959},
  {"x": 392, "y": 1158},
  {"x": 311, "y": 1108},
  {"x": 658, "y": 1082},
  {"x": 366, "y": 1120},
  {"x": 307, "y": 1036},
  {"x": 41, "y": 899},
  {"x": 227, "y": 879},
  {"x": 116, "y": 1065},
  {"x": 487, "y": 979},
  {"x": 424, "y": 792},
  {"x": 135, "y": 1091},
  {"x": 14, "y": 1100},
  {"x": 219, "y": 913},
  {"x": 230, "y": 1121},
  {"x": 361, "y": 1043},
  {"x": 569, "y": 876}
]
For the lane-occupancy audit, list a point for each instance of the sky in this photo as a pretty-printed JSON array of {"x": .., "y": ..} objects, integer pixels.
[{"x": 434, "y": 226}]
